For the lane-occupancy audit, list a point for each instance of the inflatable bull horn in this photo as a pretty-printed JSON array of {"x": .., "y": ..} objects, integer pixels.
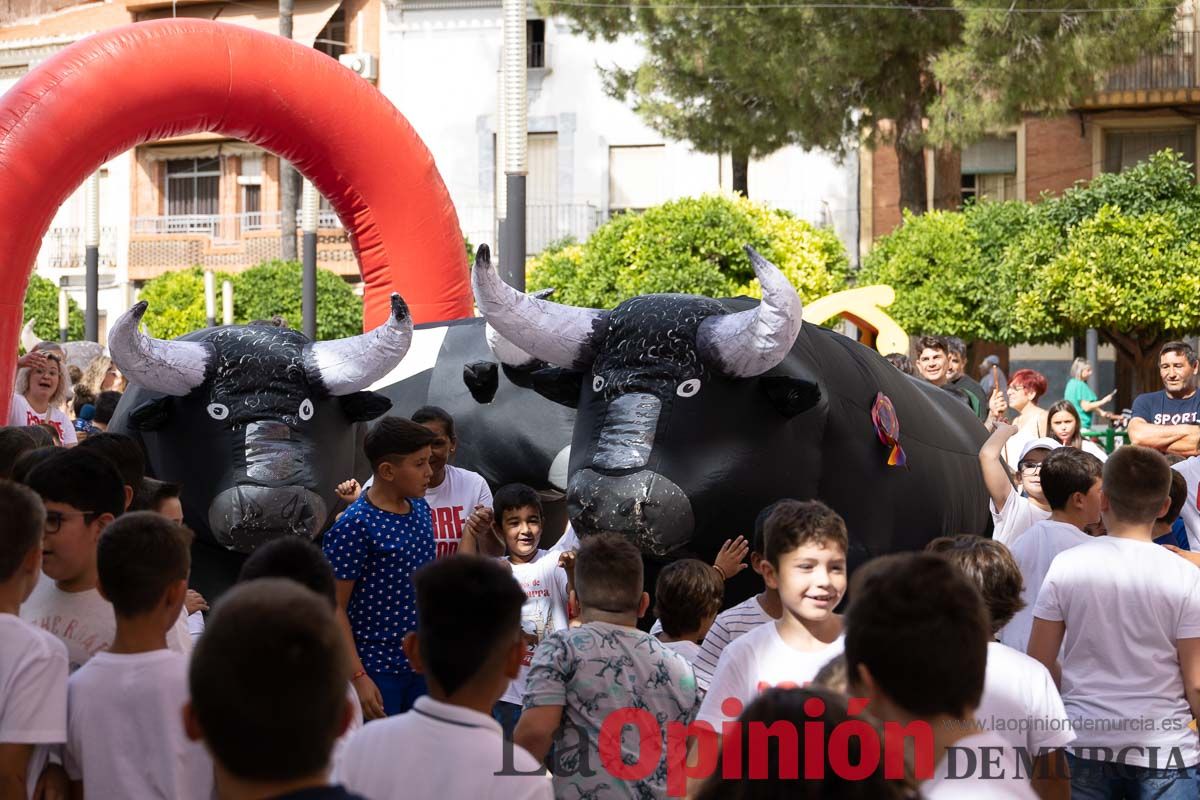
[
  {"x": 738, "y": 345},
  {"x": 342, "y": 366},
  {"x": 29, "y": 339}
]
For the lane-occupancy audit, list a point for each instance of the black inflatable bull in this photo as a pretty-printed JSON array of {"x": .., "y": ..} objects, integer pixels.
[
  {"x": 693, "y": 414},
  {"x": 506, "y": 432},
  {"x": 257, "y": 423}
]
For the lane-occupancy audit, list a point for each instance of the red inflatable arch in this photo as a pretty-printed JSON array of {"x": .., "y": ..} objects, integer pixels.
[{"x": 142, "y": 82}]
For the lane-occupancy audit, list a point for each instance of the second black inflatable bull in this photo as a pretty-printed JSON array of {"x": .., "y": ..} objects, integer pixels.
[
  {"x": 255, "y": 421},
  {"x": 693, "y": 414}
]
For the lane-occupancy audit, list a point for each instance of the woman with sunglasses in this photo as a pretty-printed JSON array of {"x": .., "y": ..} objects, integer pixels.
[{"x": 41, "y": 388}]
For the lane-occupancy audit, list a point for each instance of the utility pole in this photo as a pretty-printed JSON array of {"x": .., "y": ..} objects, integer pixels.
[
  {"x": 310, "y": 207},
  {"x": 91, "y": 257},
  {"x": 515, "y": 124},
  {"x": 287, "y": 173}
]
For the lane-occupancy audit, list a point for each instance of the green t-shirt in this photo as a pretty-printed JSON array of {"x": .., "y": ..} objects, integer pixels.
[{"x": 1077, "y": 392}]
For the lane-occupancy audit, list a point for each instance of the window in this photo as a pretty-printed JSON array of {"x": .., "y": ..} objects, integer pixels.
[
  {"x": 636, "y": 177},
  {"x": 1124, "y": 149},
  {"x": 193, "y": 187},
  {"x": 250, "y": 179},
  {"x": 332, "y": 39},
  {"x": 989, "y": 169},
  {"x": 535, "y": 43}
]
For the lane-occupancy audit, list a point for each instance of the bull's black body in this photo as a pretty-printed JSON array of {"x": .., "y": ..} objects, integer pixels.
[
  {"x": 506, "y": 433},
  {"x": 802, "y": 430},
  {"x": 258, "y": 447}
]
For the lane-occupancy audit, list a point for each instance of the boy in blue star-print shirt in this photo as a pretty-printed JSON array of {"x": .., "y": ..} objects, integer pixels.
[{"x": 375, "y": 547}]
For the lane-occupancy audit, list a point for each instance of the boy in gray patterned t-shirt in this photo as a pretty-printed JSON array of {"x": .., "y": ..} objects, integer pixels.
[{"x": 582, "y": 675}]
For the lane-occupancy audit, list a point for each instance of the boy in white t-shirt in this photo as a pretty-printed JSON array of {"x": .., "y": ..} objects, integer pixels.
[
  {"x": 1071, "y": 482},
  {"x": 1012, "y": 513},
  {"x": 687, "y": 597},
  {"x": 738, "y": 620},
  {"x": 806, "y": 546},
  {"x": 267, "y": 692},
  {"x": 917, "y": 637},
  {"x": 125, "y": 736},
  {"x": 455, "y": 495},
  {"x": 1125, "y": 614},
  {"x": 33, "y": 664},
  {"x": 1020, "y": 701},
  {"x": 543, "y": 577},
  {"x": 469, "y": 645},
  {"x": 83, "y": 493}
]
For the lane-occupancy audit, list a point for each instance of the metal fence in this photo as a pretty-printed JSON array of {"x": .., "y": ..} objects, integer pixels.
[
  {"x": 222, "y": 226},
  {"x": 63, "y": 248},
  {"x": 545, "y": 224},
  {"x": 1173, "y": 67}
]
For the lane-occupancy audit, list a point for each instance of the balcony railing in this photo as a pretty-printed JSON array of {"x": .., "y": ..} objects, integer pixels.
[
  {"x": 63, "y": 248},
  {"x": 1173, "y": 67},
  {"x": 222, "y": 227},
  {"x": 544, "y": 224}
]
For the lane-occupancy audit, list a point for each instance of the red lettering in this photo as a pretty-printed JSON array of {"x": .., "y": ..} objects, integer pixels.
[
  {"x": 678, "y": 770},
  {"x": 649, "y": 744},
  {"x": 458, "y": 521},
  {"x": 814, "y": 739},
  {"x": 444, "y": 524},
  {"x": 789, "y": 749},
  {"x": 894, "y": 735},
  {"x": 867, "y": 750}
]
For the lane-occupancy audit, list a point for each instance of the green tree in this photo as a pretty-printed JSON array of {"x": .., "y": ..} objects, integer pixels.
[
  {"x": 752, "y": 78},
  {"x": 41, "y": 304},
  {"x": 176, "y": 302},
  {"x": 1120, "y": 254},
  {"x": 692, "y": 246},
  {"x": 274, "y": 288}
]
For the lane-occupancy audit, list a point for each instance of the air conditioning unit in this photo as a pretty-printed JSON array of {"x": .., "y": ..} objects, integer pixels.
[{"x": 364, "y": 65}]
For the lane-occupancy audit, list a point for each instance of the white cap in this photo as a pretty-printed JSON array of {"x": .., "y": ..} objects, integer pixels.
[{"x": 1044, "y": 443}]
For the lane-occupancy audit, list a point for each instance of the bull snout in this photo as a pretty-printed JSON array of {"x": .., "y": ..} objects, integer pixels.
[
  {"x": 244, "y": 517},
  {"x": 272, "y": 498},
  {"x": 643, "y": 505}
]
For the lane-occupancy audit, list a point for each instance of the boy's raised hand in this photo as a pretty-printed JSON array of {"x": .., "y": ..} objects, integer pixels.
[
  {"x": 348, "y": 491},
  {"x": 731, "y": 559},
  {"x": 194, "y": 601}
]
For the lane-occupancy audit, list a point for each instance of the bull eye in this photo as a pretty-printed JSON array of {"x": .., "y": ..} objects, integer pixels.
[
  {"x": 306, "y": 409},
  {"x": 218, "y": 410},
  {"x": 597, "y": 383},
  {"x": 688, "y": 388}
]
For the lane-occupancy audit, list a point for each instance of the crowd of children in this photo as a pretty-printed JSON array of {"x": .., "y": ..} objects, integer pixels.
[{"x": 434, "y": 646}]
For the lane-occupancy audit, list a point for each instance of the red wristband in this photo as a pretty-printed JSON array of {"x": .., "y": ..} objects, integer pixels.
[{"x": 358, "y": 675}]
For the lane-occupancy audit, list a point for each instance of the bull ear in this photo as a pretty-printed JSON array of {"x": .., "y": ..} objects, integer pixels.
[
  {"x": 790, "y": 396},
  {"x": 482, "y": 379},
  {"x": 364, "y": 406},
  {"x": 151, "y": 415},
  {"x": 558, "y": 385}
]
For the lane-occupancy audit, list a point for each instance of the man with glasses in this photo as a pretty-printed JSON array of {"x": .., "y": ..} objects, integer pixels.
[{"x": 1015, "y": 506}]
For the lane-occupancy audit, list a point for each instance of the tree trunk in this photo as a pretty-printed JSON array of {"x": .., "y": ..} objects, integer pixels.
[
  {"x": 1141, "y": 364},
  {"x": 910, "y": 157},
  {"x": 741, "y": 171},
  {"x": 288, "y": 179},
  {"x": 947, "y": 178}
]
